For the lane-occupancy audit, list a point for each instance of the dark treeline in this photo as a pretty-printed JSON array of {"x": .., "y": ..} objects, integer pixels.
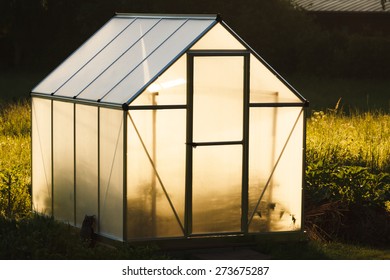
[{"x": 40, "y": 34}]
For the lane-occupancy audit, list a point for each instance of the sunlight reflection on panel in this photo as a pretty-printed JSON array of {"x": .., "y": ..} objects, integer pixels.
[
  {"x": 266, "y": 87},
  {"x": 86, "y": 162},
  {"x": 63, "y": 161},
  {"x": 159, "y": 149},
  {"x": 218, "y": 38},
  {"x": 169, "y": 89},
  {"x": 41, "y": 155},
  {"x": 217, "y": 176},
  {"x": 218, "y": 83},
  {"x": 111, "y": 173},
  {"x": 280, "y": 206}
]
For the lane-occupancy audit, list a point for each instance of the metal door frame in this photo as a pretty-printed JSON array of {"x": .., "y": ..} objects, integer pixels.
[{"x": 189, "y": 135}]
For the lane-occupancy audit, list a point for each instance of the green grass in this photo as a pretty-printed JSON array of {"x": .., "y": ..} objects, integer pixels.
[
  {"x": 314, "y": 250},
  {"x": 361, "y": 139}
]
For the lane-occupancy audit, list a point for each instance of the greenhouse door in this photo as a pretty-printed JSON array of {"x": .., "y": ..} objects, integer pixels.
[{"x": 216, "y": 142}]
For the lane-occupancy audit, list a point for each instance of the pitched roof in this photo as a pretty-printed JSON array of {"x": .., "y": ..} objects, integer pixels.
[
  {"x": 124, "y": 56},
  {"x": 364, "y": 6}
]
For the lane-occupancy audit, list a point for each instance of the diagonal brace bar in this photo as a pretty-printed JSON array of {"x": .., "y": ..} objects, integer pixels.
[
  {"x": 157, "y": 175},
  {"x": 273, "y": 170}
]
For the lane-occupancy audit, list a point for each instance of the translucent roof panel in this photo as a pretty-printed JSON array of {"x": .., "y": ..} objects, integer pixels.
[
  {"x": 169, "y": 89},
  {"x": 135, "y": 56},
  {"x": 110, "y": 55},
  {"x": 131, "y": 51},
  {"x": 161, "y": 58},
  {"x": 129, "y": 46},
  {"x": 82, "y": 55}
]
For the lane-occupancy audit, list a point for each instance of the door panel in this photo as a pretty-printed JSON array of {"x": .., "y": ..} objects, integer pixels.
[{"x": 217, "y": 112}]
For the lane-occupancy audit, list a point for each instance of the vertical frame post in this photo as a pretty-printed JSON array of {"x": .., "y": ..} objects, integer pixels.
[
  {"x": 124, "y": 175},
  {"x": 98, "y": 171},
  {"x": 74, "y": 163},
  {"x": 52, "y": 157},
  {"x": 303, "y": 169},
  {"x": 189, "y": 135},
  {"x": 245, "y": 148}
]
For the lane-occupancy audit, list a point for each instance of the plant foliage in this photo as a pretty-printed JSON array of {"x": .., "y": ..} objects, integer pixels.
[{"x": 347, "y": 177}]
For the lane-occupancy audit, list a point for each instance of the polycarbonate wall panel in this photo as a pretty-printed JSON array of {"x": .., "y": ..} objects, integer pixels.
[
  {"x": 265, "y": 87},
  {"x": 130, "y": 60},
  {"x": 83, "y": 54},
  {"x": 275, "y": 168},
  {"x": 169, "y": 89},
  {"x": 41, "y": 156},
  {"x": 111, "y": 173},
  {"x": 168, "y": 51},
  {"x": 118, "y": 47},
  {"x": 218, "y": 98},
  {"x": 216, "y": 189},
  {"x": 156, "y": 161},
  {"x": 218, "y": 38},
  {"x": 63, "y": 161},
  {"x": 86, "y": 162}
]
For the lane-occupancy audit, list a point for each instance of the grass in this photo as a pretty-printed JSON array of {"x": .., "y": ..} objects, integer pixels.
[
  {"x": 314, "y": 250},
  {"x": 361, "y": 139}
]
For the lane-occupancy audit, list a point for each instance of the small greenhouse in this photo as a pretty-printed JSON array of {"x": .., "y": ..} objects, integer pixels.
[{"x": 168, "y": 126}]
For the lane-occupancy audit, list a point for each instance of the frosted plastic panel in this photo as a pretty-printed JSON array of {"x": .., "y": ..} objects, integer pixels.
[
  {"x": 107, "y": 56},
  {"x": 218, "y": 85},
  {"x": 111, "y": 173},
  {"x": 265, "y": 87},
  {"x": 131, "y": 59},
  {"x": 157, "y": 61},
  {"x": 86, "y": 162},
  {"x": 216, "y": 188},
  {"x": 41, "y": 156},
  {"x": 163, "y": 133},
  {"x": 63, "y": 161},
  {"x": 280, "y": 206},
  {"x": 83, "y": 54},
  {"x": 218, "y": 38},
  {"x": 169, "y": 89}
]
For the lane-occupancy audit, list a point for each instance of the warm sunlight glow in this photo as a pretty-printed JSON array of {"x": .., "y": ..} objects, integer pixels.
[{"x": 156, "y": 87}]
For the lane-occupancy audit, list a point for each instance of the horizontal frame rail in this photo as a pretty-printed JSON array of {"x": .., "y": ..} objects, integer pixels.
[{"x": 223, "y": 143}]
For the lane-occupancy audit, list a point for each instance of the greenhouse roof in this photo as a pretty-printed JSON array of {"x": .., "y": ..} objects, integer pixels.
[
  {"x": 123, "y": 57},
  {"x": 350, "y": 6}
]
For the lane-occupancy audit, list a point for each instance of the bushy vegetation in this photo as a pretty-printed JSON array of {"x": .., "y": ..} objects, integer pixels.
[
  {"x": 347, "y": 177},
  {"x": 15, "y": 164}
]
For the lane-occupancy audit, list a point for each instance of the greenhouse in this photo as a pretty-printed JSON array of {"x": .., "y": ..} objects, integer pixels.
[{"x": 168, "y": 126}]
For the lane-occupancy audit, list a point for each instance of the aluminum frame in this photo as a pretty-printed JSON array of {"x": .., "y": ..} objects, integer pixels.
[{"x": 189, "y": 137}]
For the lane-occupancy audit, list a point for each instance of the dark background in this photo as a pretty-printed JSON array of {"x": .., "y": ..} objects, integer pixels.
[{"x": 37, "y": 35}]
